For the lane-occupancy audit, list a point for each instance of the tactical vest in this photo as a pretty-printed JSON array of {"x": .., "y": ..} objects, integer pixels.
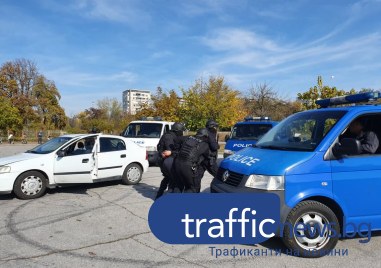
[{"x": 189, "y": 150}]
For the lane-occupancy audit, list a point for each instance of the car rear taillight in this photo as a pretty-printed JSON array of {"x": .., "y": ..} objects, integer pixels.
[{"x": 146, "y": 155}]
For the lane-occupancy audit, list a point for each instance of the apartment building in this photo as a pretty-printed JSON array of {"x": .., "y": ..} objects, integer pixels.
[{"x": 134, "y": 99}]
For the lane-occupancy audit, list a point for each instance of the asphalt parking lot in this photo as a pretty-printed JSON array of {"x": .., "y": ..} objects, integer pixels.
[{"x": 106, "y": 225}]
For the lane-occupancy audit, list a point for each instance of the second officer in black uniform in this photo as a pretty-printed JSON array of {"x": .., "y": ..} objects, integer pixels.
[
  {"x": 188, "y": 168},
  {"x": 211, "y": 163},
  {"x": 167, "y": 151}
]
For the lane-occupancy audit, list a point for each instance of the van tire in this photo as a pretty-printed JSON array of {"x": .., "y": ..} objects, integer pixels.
[
  {"x": 30, "y": 185},
  {"x": 309, "y": 213},
  {"x": 132, "y": 174}
]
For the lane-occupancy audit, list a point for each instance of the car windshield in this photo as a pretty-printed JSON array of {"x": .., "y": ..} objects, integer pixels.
[
  {"x": 49, "y": 146},
  {"x": 143, "y": 130},
  {"x": 249, "y": 131},
  {"x": 301, "y": 132}
]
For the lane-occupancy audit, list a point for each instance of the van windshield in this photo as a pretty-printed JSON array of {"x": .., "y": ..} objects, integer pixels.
[
  {"x": 249, "y": 131},
  {"x": 143, "y": 130},
  {"x": 301, "y": 132}
]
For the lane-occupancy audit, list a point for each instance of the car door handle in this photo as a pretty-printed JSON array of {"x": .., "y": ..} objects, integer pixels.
[
  {"x": 123, "y": 156},
  {"x": 86, "y": 160}
]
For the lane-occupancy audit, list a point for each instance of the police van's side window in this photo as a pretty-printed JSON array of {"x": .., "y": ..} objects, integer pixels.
[{"x": 366, "y": 129}]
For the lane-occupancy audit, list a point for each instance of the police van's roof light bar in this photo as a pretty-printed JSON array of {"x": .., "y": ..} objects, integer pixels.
[
  {"x": 151, "y": 118},
  {"x": 257, "y": 118},
  {"x": 349, "y": 99}
]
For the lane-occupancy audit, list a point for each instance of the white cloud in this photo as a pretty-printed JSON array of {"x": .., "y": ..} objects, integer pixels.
[
  {"x": 238, "y": 39},
  {"x": 68, "y": 77},
  {"x": 247, "y": 49},
  {"x": 130, "y": 12}
]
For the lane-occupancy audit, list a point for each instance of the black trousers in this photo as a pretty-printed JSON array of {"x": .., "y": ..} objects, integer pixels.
[
  {"x": 189, "y": 176},
  {"x": 210, "y": 166},
  {"x": 166, "y": 169}
]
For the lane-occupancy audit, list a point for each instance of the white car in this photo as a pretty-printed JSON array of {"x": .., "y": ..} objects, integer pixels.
[{"x": 72, "y": 159}]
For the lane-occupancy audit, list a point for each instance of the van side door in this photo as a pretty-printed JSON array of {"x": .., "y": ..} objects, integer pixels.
[{"x": 357, "y": 182}]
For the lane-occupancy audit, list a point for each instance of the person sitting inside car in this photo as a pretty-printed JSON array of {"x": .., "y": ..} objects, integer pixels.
[
  {"x": 368, "y": 139},
  {"x": 80, "y": 148}
]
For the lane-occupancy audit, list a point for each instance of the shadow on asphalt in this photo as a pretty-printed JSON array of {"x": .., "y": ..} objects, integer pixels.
[
  {"x": 7, "y": 196},
  {"x": 81, "y": 188},
  {"x": 72, "y": 188},
  {"x": 274, "y": 244},
  {"x": 146, "y": 190}
]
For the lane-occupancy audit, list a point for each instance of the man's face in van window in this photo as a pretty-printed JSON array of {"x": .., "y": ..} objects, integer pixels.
[{"x": 356, "y": 127}]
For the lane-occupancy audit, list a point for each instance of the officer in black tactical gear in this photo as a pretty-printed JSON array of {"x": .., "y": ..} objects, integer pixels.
[
  {"x": 167, "y": 150},
  {"x": 211, "y": 165},
  {"x": 188, "y": 169}
]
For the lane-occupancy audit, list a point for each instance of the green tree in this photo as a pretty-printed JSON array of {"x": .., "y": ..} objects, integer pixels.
[
  {"x": 50, "y": 113},
  {"x": 9, "y": 115},
  {"x": 112, "y": 113},
  {"x": 211, "y": 99},
  {"x": 107, "y": 117},
  {"x": 17, "y": 79},
  {"x": 35, "y": 97},
  {"x": 320, "y": 91}
]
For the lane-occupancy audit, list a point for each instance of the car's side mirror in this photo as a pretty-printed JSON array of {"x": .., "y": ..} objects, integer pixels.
[
  {"x": 346, "y": 146},
  {"x": 61, "y": 153},
  {"x": 227, "y": 137}
]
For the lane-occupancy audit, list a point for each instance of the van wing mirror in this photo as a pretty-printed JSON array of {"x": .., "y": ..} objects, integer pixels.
[
  {"x": 227, "y": 137},
  {"x": 346, "y": 146},
  {"x": 61, "y": 153}
]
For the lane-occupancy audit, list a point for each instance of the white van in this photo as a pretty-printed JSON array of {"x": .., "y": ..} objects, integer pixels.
[{"x": 147, "y": 133}]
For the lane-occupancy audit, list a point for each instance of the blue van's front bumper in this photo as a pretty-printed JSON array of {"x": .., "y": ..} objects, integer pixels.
[{"x": 217, "y": 186}]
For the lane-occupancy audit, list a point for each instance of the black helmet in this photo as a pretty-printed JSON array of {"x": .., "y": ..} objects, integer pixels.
[
  {"x": 176, "y": 127},
  {"x": 211, "y": 124},
  {"x": 203, "y": 132}
]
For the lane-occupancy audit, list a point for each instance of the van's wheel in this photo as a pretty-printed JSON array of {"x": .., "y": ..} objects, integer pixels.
[
  {"x": 320, "y": 235},
  {"x": 29, "y": 185},
  {"x": 132, "y": 174}
]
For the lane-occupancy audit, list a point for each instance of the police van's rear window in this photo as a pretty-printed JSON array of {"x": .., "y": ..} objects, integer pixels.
[{"x": 302, "y": 131}]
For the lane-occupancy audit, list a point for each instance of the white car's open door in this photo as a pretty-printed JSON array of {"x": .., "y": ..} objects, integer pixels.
[{"x": 78, "y": 164}]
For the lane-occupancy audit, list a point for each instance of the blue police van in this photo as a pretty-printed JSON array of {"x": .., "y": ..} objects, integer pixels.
[
  {"x": 247, "y": 133},
  {"x": 325, "y": 166}
]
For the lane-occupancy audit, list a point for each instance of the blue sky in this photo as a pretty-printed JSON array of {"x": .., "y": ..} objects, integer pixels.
[{"x": 97, "y": 48}]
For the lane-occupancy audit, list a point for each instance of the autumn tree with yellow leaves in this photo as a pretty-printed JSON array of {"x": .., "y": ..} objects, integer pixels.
[
  {"x": 211, "y": 99},
  {"x": 320, "y": 91}
]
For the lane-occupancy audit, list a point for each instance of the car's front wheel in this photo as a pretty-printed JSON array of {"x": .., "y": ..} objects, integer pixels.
[
  {"x": 311, "y": 229},
  {"x": 29, "y": 185},
  {"x": 132, "y": 174}
]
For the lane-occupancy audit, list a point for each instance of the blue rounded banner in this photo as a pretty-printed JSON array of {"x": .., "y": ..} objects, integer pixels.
[{"x": 242, "y": 218}]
